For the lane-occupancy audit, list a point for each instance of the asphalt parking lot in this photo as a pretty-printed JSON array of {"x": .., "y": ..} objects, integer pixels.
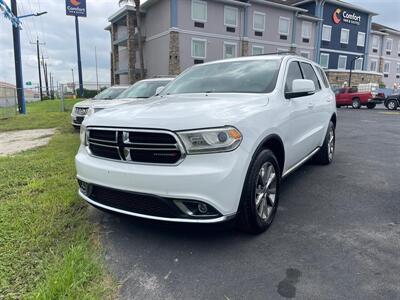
[{"x": 336, "y": 234}]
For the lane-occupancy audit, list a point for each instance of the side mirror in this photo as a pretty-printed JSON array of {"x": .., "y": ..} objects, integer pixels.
[
  {"x": 159, "y": 90},
  {"x": 301, "y": 88}
]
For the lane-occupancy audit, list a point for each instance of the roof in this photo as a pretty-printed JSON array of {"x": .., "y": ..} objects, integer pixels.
[
  {"x": 336, "y": 2},
  {"x": 279, "y": 4},
  {"x": 383, "y": 28}
]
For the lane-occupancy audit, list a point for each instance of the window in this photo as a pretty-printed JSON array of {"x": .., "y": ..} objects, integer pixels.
[
  {"x": 323, "y": 76},
  {"x": 361, "y": 39},
  {"x": 389, "y": 44},
  {"x": 386, "y": 67},
  {"x": 398, "y": 48},
  {"x": 309, "y": 73},
  {"x": 324, "y": 60},
  {"x": 305, "y": 54},
  {"x": 231, "y": 16},
  {"x": 257, "y": 50},
  {"x": 358, "y": 64},
  {"x": 284, "y": 24},
  {"x": 326, "y": 33},
  {"x": 199, "y": 48},
  {"x": 199, "y": 11},
  {"x": 344, "y": 36},
  {"x": 375, "y": 42},
  {"x": 342, "y": 62},
  {"x": 259, "y": 21},
  {"x": 398, "y": 69},
  {"x": 229, "y": 50},
  {"x": 373, "y": 65},
  {"x": 293, "y": 73},
  {"x": 306, "y": 30}
]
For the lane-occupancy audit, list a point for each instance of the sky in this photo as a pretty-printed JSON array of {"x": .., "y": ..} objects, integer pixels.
[{"x": 57, "y": 31}]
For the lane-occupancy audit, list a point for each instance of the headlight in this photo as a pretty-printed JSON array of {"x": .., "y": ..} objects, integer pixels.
[
  {"x": 82, "y": 135},
  {"x": 89, "y": 112},
  {"x": 211, "y": 140}
]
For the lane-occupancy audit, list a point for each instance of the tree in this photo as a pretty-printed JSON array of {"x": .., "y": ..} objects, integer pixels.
[{"x": 139, "y": 27}]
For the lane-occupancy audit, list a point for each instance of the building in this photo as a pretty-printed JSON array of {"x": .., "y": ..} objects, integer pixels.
[
  {"x": 384, "y": 53},
  {"x": 179, "y": 33}
]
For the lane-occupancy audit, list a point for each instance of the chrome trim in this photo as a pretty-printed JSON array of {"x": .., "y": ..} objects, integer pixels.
[
  {"x": 301, "y": 162},
  {"x": 179, "y": 144},
  {"x": 178, "y": 220}
]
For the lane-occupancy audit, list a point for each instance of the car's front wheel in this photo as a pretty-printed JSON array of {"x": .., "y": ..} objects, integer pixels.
[
  {"x": 392, "y": 104},
  {"x": 260, "y": 194}
]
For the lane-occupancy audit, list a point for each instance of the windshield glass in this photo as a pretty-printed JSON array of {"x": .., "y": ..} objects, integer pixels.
[
  {"x": 143, "y": 89},
  {"x": 110, "y": 93},
  {"x": 245, "y": 76}
]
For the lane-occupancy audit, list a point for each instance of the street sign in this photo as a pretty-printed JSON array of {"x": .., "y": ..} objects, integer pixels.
[
  {"x": 75, "y": 8},
  {"x": 28, "y": 83}
]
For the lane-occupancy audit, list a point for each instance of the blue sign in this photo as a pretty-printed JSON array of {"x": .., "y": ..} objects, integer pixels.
[{"x": 75, "y": 8}]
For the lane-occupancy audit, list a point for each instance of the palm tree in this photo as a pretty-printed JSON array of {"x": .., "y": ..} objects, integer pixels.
[{"x": 139, "y": 27}]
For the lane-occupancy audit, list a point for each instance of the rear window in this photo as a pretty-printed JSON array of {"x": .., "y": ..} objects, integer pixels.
[{"x": 323, "y": 76}]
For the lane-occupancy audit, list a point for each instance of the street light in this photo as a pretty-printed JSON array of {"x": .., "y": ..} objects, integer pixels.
[
  {"x": 351, "y": 67},
  {"x": 33, "y": 15}
]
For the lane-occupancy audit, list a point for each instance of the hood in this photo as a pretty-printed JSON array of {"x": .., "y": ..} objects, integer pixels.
[
  {"x": 104, "y": 103},
  {"x": 179, "y": 112}
]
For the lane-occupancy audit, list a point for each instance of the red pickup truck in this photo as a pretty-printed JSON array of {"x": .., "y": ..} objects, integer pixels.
[{"x": 351, "y": 97}]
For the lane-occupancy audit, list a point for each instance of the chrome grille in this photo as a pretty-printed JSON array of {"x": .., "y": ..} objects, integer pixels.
[{"x": 135, "y": 145}]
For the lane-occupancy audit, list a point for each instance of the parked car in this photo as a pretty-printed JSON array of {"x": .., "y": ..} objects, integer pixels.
[
  {"x": 352, "y": 97},
  {"x": 81, "y": 108},
  {"x": 140, "y": 91},
  {"x": 214, "y": 145},
  {"x": 392, "y": 102}
]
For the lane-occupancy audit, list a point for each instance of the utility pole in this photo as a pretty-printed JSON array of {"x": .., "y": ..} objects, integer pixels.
[
  {"x": 46, "y": 81},
  {"x": 18, "y": 62},
  {"x": 97, "y": 75},
  {"x": 78, "y": 49},
  {"x": 39, "y": 71}
]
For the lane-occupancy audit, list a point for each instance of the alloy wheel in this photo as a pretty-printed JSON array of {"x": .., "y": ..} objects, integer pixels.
[
  {"x": 265, "y": 190},
  {"x": 331, "y": 143}
]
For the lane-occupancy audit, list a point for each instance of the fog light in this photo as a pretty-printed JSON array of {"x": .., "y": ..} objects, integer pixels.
[
  {"x": 85, "y": 188},
  {"x": 202, "y": 207}
]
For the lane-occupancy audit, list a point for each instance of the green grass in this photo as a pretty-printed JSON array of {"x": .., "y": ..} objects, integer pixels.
[{"x": 48, "y": 248}]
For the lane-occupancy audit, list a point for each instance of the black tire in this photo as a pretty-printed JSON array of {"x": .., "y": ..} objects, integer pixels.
[
  {"x": 76, "y": 127},
  {"x": 371, "y": 105},
  {"x": 323, "y": 156},
  {"x": 392, "y": 104},
  {"x": 248, "y": 218},
  {"x": 356, "y": 103}
]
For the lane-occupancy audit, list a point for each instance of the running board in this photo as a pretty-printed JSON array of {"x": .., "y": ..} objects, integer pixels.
[{"x": 300, "y": 163}]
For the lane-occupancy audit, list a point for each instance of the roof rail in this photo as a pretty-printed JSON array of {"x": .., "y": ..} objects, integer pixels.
[
  {"x": 277, "y": 53},
  {"x": 163, "y": 76}
]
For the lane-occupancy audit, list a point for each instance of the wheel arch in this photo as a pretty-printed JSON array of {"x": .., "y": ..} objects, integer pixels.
[
  {"x": 274, "y": 143},
  {"x": 334, "y": 119}
]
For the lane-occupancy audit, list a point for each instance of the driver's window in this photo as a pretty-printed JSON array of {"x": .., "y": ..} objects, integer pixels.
[{"x": 294, "y": 72}]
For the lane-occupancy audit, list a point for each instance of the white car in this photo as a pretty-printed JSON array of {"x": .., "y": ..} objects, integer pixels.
[
  {"x": 81, "y": 108},
  {"x": 214, "y": 145}
]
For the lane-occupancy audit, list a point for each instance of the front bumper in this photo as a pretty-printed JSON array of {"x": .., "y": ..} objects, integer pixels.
[{"x": 213, "y": 179}]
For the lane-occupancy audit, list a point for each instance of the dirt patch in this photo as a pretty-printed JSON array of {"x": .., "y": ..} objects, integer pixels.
[{"x": 12, "y": 142}]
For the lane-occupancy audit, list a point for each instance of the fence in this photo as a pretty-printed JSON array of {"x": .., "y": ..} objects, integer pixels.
[{"x": 8, "y": 102}]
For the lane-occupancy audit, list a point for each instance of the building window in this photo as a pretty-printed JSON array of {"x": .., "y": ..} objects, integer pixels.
[
  {"x": 398, "y": 69},
  {"x": 229, "y": 50},
  {"x": 282, "y": 50},
  {"x": 306, "y": 30},
  {"x": 326, "y": 33},
  {"x": 259, "y": 21},
  {"x": 361, "y": 39},
  {"x": 373, "y": 65},
  {"x": 375, "y": 43},
  {"x": 344, "y": 36},
  {"x": 284, "y": 24},
  {"x": 342, "y": 62},
  {"x": 199, "y": 48},
  {"x": 398, "y": 48},
  {"x": 358, "y": 64},
  {"x": 231, "y": 16},
  {"x": 199, "y": 11},
  {"x": 257, "y": 50},
  {"x": 324, "y": 60},
  {"x": 305, "y": 54},
  {"x": 389, "y": 45},
  {"x": 386, "y": 67}
]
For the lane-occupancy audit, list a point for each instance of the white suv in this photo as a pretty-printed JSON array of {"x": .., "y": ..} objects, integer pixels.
[{"x": 213, "y": 145}]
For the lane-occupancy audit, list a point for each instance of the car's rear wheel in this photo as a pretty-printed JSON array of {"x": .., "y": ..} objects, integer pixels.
[
  {"x": 371, "y": 105},
  {"x": 260, "y": 194},
  {"x": 356, "y": 103},
  {"x": 392, "y": 104},
  {"x": 325, "y": 155}
]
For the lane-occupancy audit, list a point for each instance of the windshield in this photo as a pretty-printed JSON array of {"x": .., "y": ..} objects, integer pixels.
[
  {"x": 245, "y": 76},
  {"x": 143, "y": 89},
  {"x": 110, "y": 93}
]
